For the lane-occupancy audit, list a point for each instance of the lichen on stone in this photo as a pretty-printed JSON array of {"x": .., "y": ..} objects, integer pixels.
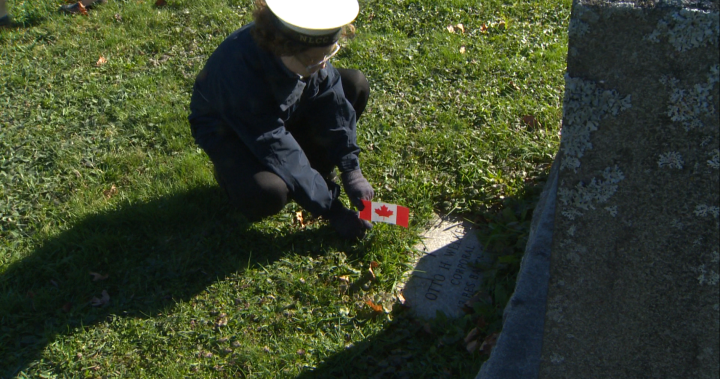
[
  {"x": 687, "y": 29},
  {"x": 671, "y": 159},
  {"x": 584, "y": 106},
  {"x": 703, "y": 210},
  {"x": 688, "y": 105},
  {"x": 557, "y": 358},
  {"x": 583, "y": 197},
  {"x": 714, "y": 161},
  {"x": 577, "y": 28},
  {"x": 612, "y": 210},
  {"x": 677, "y": 224},
  {"x": 708, "y": 276}
]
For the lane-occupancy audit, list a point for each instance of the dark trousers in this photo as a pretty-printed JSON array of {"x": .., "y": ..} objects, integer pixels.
[{"x": 253, "y": 189}]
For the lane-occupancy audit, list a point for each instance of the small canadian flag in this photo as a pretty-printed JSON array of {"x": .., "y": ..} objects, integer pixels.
[{"x": 384, "y": 212}]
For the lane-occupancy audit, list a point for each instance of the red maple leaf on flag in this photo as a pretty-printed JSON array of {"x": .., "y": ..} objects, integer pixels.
[{"x": 384, "y": 211}]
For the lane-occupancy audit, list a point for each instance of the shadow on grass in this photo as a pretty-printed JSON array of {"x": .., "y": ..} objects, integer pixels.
[{"x": 154, "y": 255}]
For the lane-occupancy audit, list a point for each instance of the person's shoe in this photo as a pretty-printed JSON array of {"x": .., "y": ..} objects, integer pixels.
[
  {"x": 78, "y": 7},
  {"x": 5, "y": 21}
]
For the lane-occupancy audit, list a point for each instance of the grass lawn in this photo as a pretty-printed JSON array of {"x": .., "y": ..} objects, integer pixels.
[{"x": 119, "y": 257}]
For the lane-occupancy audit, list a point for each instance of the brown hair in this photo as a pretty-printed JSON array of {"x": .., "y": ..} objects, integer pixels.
[{"x": 269, "y": 37}]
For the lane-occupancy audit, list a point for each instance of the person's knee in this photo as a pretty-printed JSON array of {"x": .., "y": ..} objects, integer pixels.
[
  {"x": 269, "y": 197},
  {"x": 356, "y": 88},
  {"x": 360, "y": 84}
]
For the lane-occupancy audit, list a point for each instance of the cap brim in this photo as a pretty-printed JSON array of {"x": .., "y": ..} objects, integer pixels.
[{"x": 315, "y": 15}]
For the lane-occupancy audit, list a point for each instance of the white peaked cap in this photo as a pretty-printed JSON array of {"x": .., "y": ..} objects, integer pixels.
[{"x": 314, "y": 17}]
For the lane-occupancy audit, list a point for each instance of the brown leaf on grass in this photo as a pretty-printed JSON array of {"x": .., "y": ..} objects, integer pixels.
[
  {"x": 488, "y": 344},
  {"x": 461, "y": 28},
  {"x": 110, "y": 192},
  {"x": 462, "y": 49},
  {"x": 97, "y": 276},
  {"x": 375, "y": 307},
  {"x": 160, "y": 3},
  {"x": 531, "y": 121},
  {"x": 472, "y": 335},
  {"x": 450, "y": 29},
  {"x": 371, "y": 274},
  {"x": 472, "y": 346},
  {"x": 401, "y": 298},
  {"x": 222, "y": 320},
  {"x": 344, "y": 278},
  {"x": 299, "y": 218},
  {"x": 81, "y": 8},
  {"x": 101, "y": 61},
  {"x": 483, "y": 28},
  {"x": 118, "y": 17},
  {"x": 101, "y": 301}
]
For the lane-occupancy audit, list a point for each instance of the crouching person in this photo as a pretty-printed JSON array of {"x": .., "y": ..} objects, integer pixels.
[{"x": 276, "y": 118}]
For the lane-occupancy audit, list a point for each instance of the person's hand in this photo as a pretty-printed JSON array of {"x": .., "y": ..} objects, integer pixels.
[
  {"x": 347, "y": 223},
  {"x": 357, "y": 188}
]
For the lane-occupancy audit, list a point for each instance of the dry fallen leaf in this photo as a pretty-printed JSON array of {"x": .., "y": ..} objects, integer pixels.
[
  {"x": 488, "y": 344},
  {"x": 344, "y": 278},
  {"x": 97, "y": 276},
  {"x": 222, "y": 320},
  {"x": 462, "y": 49},
  {"x": 118, "y": 17},
  {"x": 101, "y": 301},
  {"x": 472, "y": 335},
  {"x": 160, "y": 3},
  {"x": 451, "y": 29},
  {"x": 374, "y": 264},
  {"x": 101, "y": 61},
  {"x": 110, "y": 192},
  {"x": 483, "y": 28},
  {"x": 375, "y": 307},
  {"x": 460, "y": 27},
  {"x": 472, "y": 346},
  {"x": 83, "y": 11},
  {"x": 299, "y": 218},
  {"x": 401, "y": 298},
  {"x": 531, "y": 121}
]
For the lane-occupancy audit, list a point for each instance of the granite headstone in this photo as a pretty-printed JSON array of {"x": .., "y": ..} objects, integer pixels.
[{"x": 633, "y": 290}]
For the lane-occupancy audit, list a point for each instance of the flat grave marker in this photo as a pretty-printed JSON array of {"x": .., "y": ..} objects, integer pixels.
[{"x": 444, "y": 277}]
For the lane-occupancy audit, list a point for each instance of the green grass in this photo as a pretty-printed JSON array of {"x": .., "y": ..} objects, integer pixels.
[{"x": 99, "y": 173}]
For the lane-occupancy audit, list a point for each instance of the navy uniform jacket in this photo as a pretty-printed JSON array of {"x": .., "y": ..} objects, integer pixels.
[{"x": 249, "y": 89}]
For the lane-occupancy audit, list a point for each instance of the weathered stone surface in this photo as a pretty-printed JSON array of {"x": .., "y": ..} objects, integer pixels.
[
  {"x": 633, "y": 289},
  {"x": 516, "y": 354},
  {"x": 443, "y": 279}
]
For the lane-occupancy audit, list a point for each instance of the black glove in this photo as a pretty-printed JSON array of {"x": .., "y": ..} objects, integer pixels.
[
  {"x": 357, "y": 188},
  {"x": 347, "y": 223}
]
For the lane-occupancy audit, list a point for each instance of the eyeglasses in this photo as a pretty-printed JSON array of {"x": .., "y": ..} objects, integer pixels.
[{"x": 313, "y": 66}]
